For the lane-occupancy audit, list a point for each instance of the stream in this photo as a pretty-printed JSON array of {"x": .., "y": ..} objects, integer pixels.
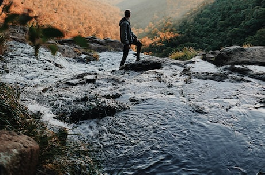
[{"x": 175, "y": 123}]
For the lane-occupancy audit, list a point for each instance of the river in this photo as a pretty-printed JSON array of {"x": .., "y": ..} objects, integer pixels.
[{"x": 174, "y": 124}]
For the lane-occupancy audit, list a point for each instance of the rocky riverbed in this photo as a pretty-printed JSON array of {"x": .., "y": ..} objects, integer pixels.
[{"x": 156, "y": 116}]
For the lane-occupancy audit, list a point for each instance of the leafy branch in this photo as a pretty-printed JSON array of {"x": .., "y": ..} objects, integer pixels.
[{"x": 37, "y": 35}]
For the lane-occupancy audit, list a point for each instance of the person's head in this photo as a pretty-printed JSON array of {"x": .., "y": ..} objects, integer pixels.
[{"x": 127, "y": 13}]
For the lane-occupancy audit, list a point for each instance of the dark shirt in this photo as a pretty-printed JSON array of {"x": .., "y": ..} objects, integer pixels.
[{"x": 126, "y": 34}]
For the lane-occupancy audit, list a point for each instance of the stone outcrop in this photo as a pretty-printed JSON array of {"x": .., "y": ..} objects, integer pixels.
[
  {"x": 68, "y": 47},
  {"x": 83, "y": 78},
  {"x": 237, "y": 55},
  {"x": 88, "y": 107},
  {"x": 18, "y": 154},
  {"x": 103, "y": 45},
  {"x": 144, "y": 65},
  {"x": 18, "y": 33}
]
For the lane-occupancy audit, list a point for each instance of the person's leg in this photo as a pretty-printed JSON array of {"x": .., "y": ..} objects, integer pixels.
[
  {"x": 139, "y": 47},
  {"x": 126, "y": 49}
]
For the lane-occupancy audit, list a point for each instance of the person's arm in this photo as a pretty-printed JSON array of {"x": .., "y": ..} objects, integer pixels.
[
  {"x": 134, "y": 36},
  {"x": 124, "y": 33}
]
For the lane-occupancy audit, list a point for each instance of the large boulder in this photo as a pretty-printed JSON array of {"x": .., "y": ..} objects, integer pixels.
[
  {"x": 237, "y": 55},
  {"x": 104, "y": 45},
  {"x": 18, "y": 154}
]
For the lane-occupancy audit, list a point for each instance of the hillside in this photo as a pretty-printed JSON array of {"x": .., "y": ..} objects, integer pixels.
[
  {"x": 216, "y": 25},
  {"x": 79, "y": 17},
  {"x": 112, "y": 2},
  {"x": 144, "y": 11}
]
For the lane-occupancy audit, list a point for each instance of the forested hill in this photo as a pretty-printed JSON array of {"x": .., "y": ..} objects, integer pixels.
[
  {"x": 146, "y": 11},
  {"x": 221, "y": 23},
  {"x": 74, "y": 17}
]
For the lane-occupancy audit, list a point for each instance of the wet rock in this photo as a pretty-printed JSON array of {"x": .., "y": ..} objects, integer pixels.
[
  {"x": 103, "y": 45},
  {"x": 246, "y": 71},
  {"x": 86, "y": 59},
  {"x": 261, "y": 173},
  {"x": 143, "y": 65},
  {"x": 69, "y": 51},
  {"x": 90, "y": 78},
  {"x": 237, "y": 55},
  {"x": 75, "y": 82},
  {"x": 112, "y": 96},
  {"x": 210, "y": 76},
  {"x": 136, "y": 100},
  {"x": 199, "y": 109},
  {"x": 58, "y": 65},
  {"x": 258, "y": 76},
  {"x": 186, "y": 71},
  {"x": 88, "y": 108},
  {"x": 83, "y": 78},
  {"x": 18, "y": 33},
  {"x": 18, "y": 154},
  {"x": 241, "y": 70},
  {"x": 218, "y": 76},
  {"x": 207, "y": 57}
]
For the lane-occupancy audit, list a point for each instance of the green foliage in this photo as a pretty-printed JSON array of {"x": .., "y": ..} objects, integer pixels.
[
  {"x": 81, "y": 41},
  {"x": 216, "y": 25},
  {"x": 258, "y": 38},
  {"x": 34, "y": 34},
  {"x": 51, "y": 32},
  {"x": 11, "y": 18},
  {"x": 40, "y": 35},
  {"x": 7, "y": 7},
  {"x": 37, "y": 35},
  {"x": 53, "y": 48},
  {"x": 17, "y": 19},
  {"x": 24, "y": 19}
]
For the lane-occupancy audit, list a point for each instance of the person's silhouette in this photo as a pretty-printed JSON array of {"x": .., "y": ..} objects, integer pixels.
[{"x": 127, "y": 38}]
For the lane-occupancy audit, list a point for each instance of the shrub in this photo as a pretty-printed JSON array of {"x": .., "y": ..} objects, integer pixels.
[{"x": 185, "y": 54}]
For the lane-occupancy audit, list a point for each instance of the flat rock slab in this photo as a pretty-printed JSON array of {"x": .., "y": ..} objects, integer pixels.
[
  {"x": 144, "y": 65},
  {"x": 18, "y": 154}
]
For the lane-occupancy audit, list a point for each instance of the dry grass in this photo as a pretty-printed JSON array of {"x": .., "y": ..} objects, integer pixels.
[
  {"x": 187, "y": 53},
  {"x": 79, "y": 17}
]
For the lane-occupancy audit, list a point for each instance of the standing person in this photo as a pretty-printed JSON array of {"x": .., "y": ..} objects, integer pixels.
[{"x": 127, "y": 37}]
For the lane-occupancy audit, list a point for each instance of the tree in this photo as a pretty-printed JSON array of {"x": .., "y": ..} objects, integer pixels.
[{"x": 37, "y": 35}]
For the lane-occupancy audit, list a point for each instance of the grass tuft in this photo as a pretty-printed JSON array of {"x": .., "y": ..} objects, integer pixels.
[{"x": 187, "y": 53}]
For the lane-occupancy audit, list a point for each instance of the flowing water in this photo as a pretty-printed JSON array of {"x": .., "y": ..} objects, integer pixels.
[{"x": 176, "y": 124}]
